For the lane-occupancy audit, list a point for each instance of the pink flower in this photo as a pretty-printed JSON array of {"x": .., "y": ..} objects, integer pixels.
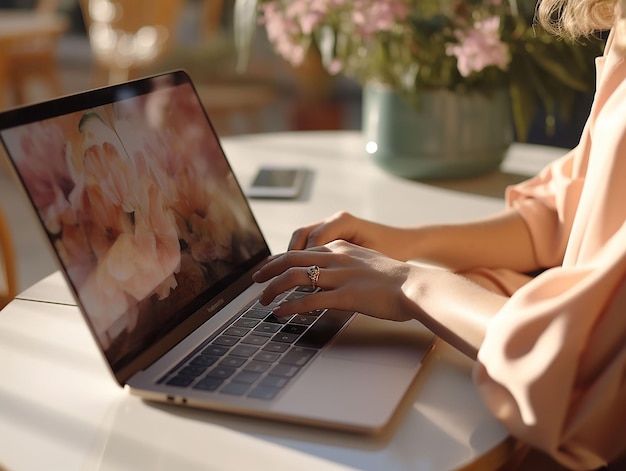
[
  {"x": 42, "y": 151},
  {"x": 373, "y": 16},
  {"x": 479, "y": 47},
  {"x": 284, "y": 30},
  {"x": 132, "y": 235}
]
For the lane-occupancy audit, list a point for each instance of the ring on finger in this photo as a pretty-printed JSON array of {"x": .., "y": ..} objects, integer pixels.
[{"x": 314, "y": 275}]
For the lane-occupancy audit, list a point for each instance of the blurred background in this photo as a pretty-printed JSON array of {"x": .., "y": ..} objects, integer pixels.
[
  {"x": 45, "y": 51},
  {"x": 56, "y": 47},
  {"x": 195, "y": 35}
]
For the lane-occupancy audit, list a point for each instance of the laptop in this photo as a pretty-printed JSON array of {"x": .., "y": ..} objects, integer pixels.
[{"x": 158, "y": 244}]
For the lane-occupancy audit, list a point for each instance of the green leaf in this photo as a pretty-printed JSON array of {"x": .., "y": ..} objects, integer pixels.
[
  {"x": 553, "y": 62},
  {"x": 523, "y": 108}
]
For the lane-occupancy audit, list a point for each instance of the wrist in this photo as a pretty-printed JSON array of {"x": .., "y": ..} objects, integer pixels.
[{"x": 425, "y": 244}]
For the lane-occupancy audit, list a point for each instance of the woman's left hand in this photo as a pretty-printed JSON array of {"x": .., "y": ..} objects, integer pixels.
[{"x": 351, "y": 278}]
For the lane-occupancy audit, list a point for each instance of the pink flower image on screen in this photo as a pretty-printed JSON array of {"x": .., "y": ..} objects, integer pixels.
[{"x": 140, "y": 204}]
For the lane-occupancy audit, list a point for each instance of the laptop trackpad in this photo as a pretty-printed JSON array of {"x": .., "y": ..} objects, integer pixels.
[{"x": 380, "y": 341}]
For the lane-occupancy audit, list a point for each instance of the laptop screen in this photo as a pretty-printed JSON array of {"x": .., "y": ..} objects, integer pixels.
[{"x": 139, "y": 203}]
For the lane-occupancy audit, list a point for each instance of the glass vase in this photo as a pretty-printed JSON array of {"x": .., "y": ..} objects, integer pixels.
[{"x": 443, "y": 135}]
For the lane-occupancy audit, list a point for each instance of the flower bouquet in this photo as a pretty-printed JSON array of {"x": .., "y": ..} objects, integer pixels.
[{"x": 412, "y": 46}]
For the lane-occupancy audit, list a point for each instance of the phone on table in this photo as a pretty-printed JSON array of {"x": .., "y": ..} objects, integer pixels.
[{"x": 277, "y": 182}]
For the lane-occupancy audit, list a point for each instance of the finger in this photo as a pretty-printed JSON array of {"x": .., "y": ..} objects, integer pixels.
[
  {"x": 300, "y": 237},
  {"x": 313, "y": 276},
  {"x": 338, "y": 226},
  {"x": 312, "y": 302},
  {"x": 293, "y": 258},
  {"x": 290, "y": 278}
]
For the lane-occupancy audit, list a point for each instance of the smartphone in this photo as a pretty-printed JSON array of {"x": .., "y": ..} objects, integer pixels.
[{"x": 277, "y": 182}]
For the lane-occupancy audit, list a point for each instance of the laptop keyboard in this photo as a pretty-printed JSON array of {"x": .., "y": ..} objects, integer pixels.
[{"x": 257, "y": 354}]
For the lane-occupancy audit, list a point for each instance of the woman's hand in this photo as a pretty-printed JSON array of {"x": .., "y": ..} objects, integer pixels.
[
  {"x": 359, "y": 279},
  {"x": 352, "y": 278},
  {"x": 393, "y": 242}
]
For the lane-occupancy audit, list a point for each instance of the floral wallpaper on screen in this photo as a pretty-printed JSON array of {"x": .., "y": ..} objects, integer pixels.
[{"x": 141, "y": 207}]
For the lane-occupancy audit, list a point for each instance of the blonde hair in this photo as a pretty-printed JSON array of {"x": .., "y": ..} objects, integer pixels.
[{"x": 576, "y": 18}]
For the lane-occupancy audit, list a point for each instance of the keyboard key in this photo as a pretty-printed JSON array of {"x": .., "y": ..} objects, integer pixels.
[
  {"x": 264, "y": 334},
  {"x": 268, "y": 357},
  {"x": 293, "y": 329},
  {"x": 210, "y": 383},
  {"x": 236, "y": 331},
  {"x": 235, "y": 389},
  {"x": 263, "y": 392},
  {"x": 217, "y": 350},
  {"x": 204, "y": 360},
  {"x": 324, "y": 329},
  {"x": 274, "y": 381},
  {"x": 221, "y": 372},
  {"x": 278, "y": 320},
  {"x": 303, "y": 319},
  {"x": 257, "y": 313},
  {"x": 247, "y": 323},
  {"x": 193, "y": 370},
  {"x": 256, "y": 367},
  {"x": 276, "y": 347},
  {"x": 285, "y": 338},
  {"x": 182, "y": 381},
  {"x": 247, "y": 377},
  {"x": 267, "y": 327},
  {"x": 254, "y": 340},
  {"x": 232, "y": 362},
  {"x": 289, "y": 371},
  {"x": 225, "y": 341},
  {"x": 316, "y": 313},
  {"x": 245, "y": 351},
  {"x": 298, "y": 356}
]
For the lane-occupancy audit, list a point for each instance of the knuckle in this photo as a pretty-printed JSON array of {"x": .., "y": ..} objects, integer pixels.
[
  {"x": 314, "y": 236},
  {"x": 297, "y": 233},
  {"x": 338, "y": 245},
  {"x": 343, "y": 215}
]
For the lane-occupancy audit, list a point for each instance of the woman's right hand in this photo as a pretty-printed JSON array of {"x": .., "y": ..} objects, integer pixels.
[{"x": 387, "y": 240}]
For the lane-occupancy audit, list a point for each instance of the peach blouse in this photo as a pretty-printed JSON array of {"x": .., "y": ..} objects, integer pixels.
[{"x": 552, "y": 366}]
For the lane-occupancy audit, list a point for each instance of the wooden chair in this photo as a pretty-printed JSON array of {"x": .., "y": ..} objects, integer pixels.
[
  {"x": 29, "y": 42},
  {"x": 8, "y": 267}
]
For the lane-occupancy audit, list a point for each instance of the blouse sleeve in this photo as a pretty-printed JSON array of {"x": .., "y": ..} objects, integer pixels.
[
  {"x": 547, "y": 204},
  {"x": 552, "y": 366}
]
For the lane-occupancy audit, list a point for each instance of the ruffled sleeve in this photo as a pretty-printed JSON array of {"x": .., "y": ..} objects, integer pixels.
[
  {"x": 548, "y": 204},
  {"x": 552, "y": 366}
]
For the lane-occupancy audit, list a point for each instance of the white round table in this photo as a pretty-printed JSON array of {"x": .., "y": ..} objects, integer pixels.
[{"x": 61, "y": 409}]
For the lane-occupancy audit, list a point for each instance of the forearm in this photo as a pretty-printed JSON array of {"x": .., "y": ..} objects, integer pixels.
[
  {"x": 454, "y": 308},
  {"x": 501, "y": 241}
]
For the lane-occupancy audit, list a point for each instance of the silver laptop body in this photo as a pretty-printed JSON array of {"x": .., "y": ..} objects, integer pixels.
[{"x": 158, "y": 244}]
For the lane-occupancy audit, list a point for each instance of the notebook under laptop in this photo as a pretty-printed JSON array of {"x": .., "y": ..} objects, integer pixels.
[{"x": 158, "y": 244}]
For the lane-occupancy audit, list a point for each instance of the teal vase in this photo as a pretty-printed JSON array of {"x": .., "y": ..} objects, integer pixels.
[{"x": 443, "y": 135}]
